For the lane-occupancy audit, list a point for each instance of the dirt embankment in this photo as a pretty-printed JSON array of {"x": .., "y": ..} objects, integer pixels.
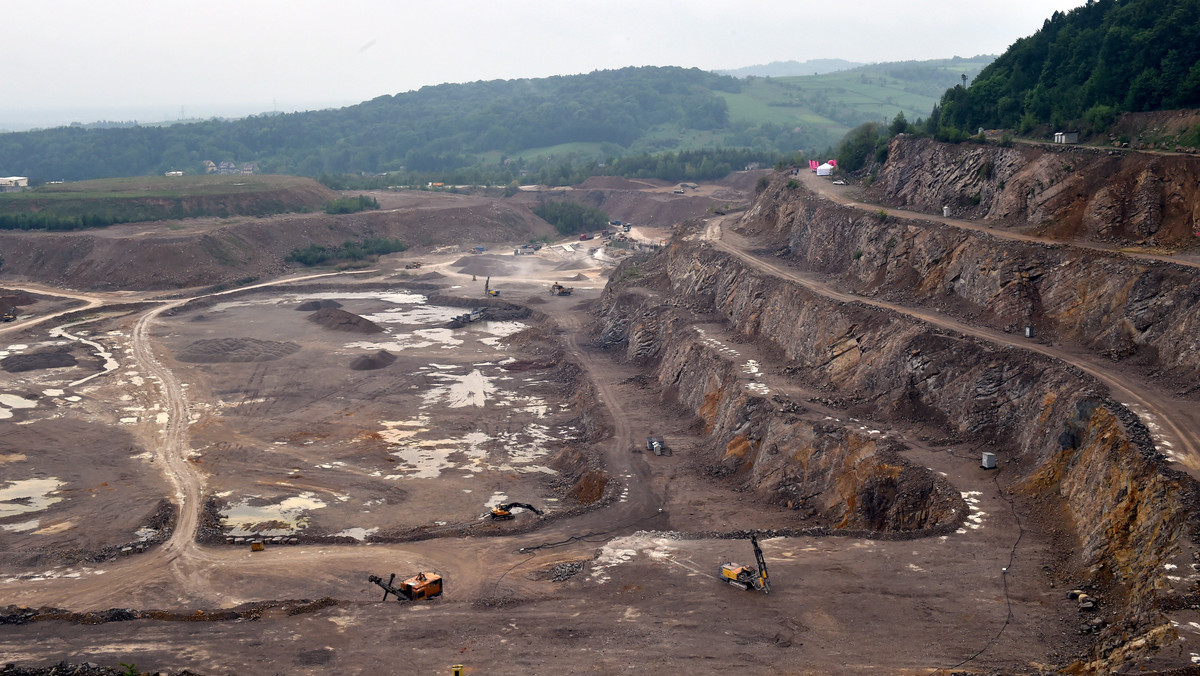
[
  {"x": 1135, "y": 311},
  {"x": 1094, "y": 194},
  {"x": 1073, "y": 449},
  {"x": 204, "y": 251}
]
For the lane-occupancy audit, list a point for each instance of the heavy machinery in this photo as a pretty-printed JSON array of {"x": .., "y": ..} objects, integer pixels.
[
  {"x": 415, "y": 588},
  {"x": 656, "y": 445},
  {"x": 11, "y": 314},
  {"x": 557, "y": 289},
  {"x": 472, "y": 316},
  {"x": 504, "y": 512},
  {"x": 413, "y": 265},
  {"x": 747, "y": 577}
]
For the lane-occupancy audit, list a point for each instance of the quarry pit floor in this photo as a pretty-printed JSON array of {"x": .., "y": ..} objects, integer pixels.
[{"x": 300, "y": 444}]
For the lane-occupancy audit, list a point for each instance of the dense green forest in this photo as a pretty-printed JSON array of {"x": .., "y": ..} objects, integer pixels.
[
  {"x": 550, "y": 130},
  {"x": 1086, "y": 66}
]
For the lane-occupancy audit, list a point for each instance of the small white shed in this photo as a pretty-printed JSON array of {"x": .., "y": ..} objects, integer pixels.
[{"x": 825, "y": 170}]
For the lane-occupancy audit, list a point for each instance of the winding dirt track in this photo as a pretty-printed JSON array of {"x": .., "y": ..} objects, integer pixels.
[{"x": 841, "y": 195}]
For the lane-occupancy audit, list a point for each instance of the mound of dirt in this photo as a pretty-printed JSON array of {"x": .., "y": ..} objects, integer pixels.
[
  {"x": 231, "y": 350},
  {"x": 578, "y": 278},
  {"x": 430, "y": 275},
  {"x": 573, "y": 265},
  {"x": 44, "y": 359},
  {"x": 535, "y": 300},
  {"x": 340, "y": 320},
  {"x": 10, "y": 298},
  {"x": 482, "y": 265},
  {"x": 370, "y": 362},
  {"x": 314, "y": 305}
]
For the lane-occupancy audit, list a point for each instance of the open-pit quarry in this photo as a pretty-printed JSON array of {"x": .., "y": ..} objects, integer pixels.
[{"x": 203, "y": 479}]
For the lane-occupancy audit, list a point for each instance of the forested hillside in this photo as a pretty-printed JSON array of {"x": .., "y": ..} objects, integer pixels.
[
  {"x": 1085, "y": 66},
  {"x": 670, "y": 123}
]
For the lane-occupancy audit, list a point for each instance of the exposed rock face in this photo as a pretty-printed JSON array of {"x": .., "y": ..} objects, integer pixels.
[
  {"x": 1136, "y": 310},
  {"x": 1090, "y": 193},
  {"x": 1072, "y": 447}
]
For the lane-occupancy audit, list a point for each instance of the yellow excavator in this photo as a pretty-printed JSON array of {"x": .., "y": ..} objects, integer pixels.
[
  {"x": 11, "y": 314},
  {"x": 747, "y": 577},
  {"x": 504, "y": 512}
]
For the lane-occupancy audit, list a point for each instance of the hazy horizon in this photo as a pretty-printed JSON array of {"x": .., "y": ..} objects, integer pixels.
[{"x": 74, "y": 61}]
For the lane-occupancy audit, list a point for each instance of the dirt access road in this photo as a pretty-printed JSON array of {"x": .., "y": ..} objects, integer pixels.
[{"x": 844, "y": 194}]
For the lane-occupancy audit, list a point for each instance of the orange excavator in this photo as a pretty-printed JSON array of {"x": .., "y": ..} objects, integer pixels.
[
  {"x": 415, "y": 588},
  {"x": 504, "y": 512}
]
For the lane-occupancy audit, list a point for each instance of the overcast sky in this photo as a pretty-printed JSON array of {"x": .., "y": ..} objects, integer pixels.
[{"x": 80, "y": 60}]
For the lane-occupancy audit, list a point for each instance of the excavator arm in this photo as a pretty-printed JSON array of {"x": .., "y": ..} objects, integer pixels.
[{"x": 764, "y": 580}]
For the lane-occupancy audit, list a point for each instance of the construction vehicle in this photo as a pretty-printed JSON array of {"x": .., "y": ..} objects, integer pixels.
[
  {"x": 413, "y": 265},
  {"x": 415, "y": 588},
  {"x": 504, "y": 512},
  {"x": 11, "y": 314},
  {"x": 472, "y": 316},
  {"x": 656, "y": 445},
  {"x": 747, "y": 577},
  {"x": 557, "y": 289},
  {"x": 494, "y": 292}
]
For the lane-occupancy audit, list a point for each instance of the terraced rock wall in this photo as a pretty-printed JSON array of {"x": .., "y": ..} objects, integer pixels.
[
  {"x": 1144, "y": 312},
  {"x": 1053, "y": 425}
]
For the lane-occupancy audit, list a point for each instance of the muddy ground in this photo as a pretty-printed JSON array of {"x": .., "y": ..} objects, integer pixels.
[{"x": 393, "y": 469}]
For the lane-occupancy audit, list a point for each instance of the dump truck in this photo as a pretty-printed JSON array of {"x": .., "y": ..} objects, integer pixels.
[
  {"x": 415, "y": 588},
  {"x": 748, "y": 577},
  {"x": 413, "y": 265}
]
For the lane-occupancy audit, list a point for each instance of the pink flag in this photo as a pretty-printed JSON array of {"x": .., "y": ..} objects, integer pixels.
[{"x": 833, "y": 163}]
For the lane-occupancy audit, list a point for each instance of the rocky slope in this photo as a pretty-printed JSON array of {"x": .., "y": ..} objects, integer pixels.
[
  {"x": 1132, "y": 310},
  {"x": 1075, "y": 451},
  {"x": 1097, "y": 194}
]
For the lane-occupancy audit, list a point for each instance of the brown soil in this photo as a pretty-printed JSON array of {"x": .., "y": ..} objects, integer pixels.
[
  {"x": 314, "y": 305},
  {"x": 856, "y": 488},
  {"x": 53, "y": 358},
  {"x": 235, "y": 350},
  {"x": 340, "y": 320},
  {"x": 370, "y": 362}
]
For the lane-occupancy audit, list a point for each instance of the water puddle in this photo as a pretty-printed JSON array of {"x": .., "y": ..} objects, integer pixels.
[
  {"x": 283, "y": 518},
  {"x": 28, "y": 495},
  {"x": 360, "y": 534},
  {"x": 110, "y": 364}
]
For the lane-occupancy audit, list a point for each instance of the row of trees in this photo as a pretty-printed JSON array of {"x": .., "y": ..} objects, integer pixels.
[
  {"x": 316, "y": 254},
  {"x": 569, "y": 217}
]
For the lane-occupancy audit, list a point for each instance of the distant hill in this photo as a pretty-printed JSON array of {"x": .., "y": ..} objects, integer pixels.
[
  {"x": 792, "y": 68},
  {"x": 1085, "y": 66},
  {"x": 554, "y": 130}
]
